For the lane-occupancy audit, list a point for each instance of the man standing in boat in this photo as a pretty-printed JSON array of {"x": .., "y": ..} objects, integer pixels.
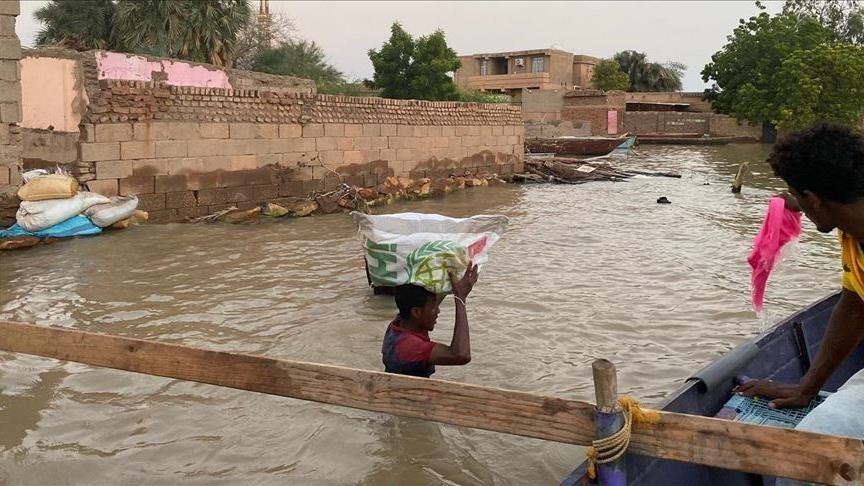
[
  {"x": 824, "y": 169},
  {"x": 407, "y": 349}
]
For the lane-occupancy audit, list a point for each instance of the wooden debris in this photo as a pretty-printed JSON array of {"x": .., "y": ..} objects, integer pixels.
[
  {"x": 563, "y": 170},
  {"x": 739, "y": 177}
]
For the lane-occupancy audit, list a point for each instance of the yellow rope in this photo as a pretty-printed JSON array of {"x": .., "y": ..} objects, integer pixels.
[{"x": 611, "y": 448}]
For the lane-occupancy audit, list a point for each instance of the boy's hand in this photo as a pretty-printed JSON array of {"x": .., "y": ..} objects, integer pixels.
[
  {"x": 463, "y": 286},
  {"x": 791, "y": 202}
]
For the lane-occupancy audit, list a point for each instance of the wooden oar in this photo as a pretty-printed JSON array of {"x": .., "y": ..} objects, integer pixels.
[{"x": 713, "y": 442}]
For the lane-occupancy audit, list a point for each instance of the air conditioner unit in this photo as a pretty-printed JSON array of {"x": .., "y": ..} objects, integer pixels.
[{"x": 520, "y": 61}]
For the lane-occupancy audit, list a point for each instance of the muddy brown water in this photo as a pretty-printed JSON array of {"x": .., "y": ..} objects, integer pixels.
[{"x": 596, "y": 270}]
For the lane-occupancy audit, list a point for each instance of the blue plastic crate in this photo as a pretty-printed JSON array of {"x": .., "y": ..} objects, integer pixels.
[{"x": 755, "y": 410}]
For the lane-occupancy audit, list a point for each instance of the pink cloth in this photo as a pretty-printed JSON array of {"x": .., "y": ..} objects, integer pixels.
[{"x": 780, "y": 227}]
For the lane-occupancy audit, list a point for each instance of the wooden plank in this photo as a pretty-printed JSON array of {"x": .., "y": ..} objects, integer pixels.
[{"x": 713, "y": 442}]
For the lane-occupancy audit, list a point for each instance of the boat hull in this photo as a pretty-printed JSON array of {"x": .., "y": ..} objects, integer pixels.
[
  {"x": 780, "y": 357},
  {"x": 574, "y": 145}
]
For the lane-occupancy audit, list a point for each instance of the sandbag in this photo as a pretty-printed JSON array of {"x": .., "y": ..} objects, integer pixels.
[
  {"x": 38, "y": 215},
  {"x": 421, "y": 248},
  {"x": 75, "y": 226},
  {"x": 118, "y": 209},
  {"x": 51, "y": 186}
]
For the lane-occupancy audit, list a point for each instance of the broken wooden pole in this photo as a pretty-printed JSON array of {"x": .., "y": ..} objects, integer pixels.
[
  {"x": 608, "y": 421},
  {"x": 738, "y": 182},
  {"x": 757, "y": 449}
]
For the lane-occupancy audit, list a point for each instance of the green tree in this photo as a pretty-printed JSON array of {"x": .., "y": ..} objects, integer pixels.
[
  {"x": 649, "y": 76},
  {"x": 196, "y": 30},
  {"x": 745, "y": 72},
  {"x": 825, "y": 83},
  {"x": 304, "y": 59},
  {"x": 609, "y": 76},
  {"x": 82, "y": 25},
  {"x": 406, "y": 68},
  {"x": 844, "y": 18}
]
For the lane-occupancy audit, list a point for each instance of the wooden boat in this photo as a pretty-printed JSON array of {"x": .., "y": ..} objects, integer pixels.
[
  {"x": 691, "y": 139},
  {"x": 781, "y": 354},
  {"x": 577, "y": 145}
]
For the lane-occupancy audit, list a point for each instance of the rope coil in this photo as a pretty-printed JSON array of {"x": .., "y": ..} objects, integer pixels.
[{"x": 609, "y": 449}]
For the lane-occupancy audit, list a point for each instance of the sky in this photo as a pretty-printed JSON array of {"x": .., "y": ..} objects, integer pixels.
[{"x": 684, "y": 31}]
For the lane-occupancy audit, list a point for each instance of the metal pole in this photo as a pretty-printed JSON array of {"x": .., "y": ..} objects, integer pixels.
[{"x": 608, "y": 419}]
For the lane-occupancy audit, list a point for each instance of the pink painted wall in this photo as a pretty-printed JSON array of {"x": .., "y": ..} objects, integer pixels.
[
  {"x": 49, "y": 95},
  {"x": 115, "y": 65}
]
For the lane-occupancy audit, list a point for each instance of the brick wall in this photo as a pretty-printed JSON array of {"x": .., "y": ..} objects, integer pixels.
[
  {"x": 591, "y": 107},
  {"x": 188, "y": 151},
  {"x": 10, "y": 110}
]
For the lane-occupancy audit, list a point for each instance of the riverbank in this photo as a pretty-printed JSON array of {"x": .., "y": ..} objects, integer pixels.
[{"x": 344, "y": 198}]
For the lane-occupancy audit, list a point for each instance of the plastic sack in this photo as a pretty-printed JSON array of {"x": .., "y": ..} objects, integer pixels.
[
  {"x": 118, "y": 209},
  {"x": 39, "y": 215},
  {"x": 74, "y": 226},
  {"x": 781, "y": 226},
  {"x": 421, "y": 248},
  {"x": 51, "y": 186}
]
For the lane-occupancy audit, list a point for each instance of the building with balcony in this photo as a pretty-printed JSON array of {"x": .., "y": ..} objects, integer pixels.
[{"x": 544, "y": 69}]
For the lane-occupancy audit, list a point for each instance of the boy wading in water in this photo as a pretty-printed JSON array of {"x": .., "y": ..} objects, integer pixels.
[{"x": 407, "y": 349}]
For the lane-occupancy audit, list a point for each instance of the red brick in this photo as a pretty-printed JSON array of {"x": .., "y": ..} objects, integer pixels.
[
  {"x": 184, "y": 199},
  {"x": 137, "y": 185},
  {"x": 151, "y": 202},
  {"x": 171, "y": 183}
]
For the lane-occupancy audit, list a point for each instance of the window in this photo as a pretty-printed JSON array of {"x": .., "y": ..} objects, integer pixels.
[
  {"x": 538, "y": 65},
  {"x": 484, "y": 67}
]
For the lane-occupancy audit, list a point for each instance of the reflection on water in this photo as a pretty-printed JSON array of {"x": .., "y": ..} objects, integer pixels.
[{"x": 595, "y": 270}]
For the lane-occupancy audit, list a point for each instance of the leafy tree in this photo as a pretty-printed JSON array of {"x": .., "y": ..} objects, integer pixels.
[
  {"x": 649, "y": 76},
  {"x": 304, "y": 59},
  {"x": 406, "y": 68},
  {"x": 609, "y": 76},
  {"x": 844, "y": 18},
  {"x": 82, "y": 25},
  {"x": 203, "y": 31},
  {"x": 745, "y": 72},
  {"x": 825, "y": 83}
]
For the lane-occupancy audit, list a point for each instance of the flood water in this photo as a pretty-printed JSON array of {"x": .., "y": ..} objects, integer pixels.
[{"x": 587, "y": 271}]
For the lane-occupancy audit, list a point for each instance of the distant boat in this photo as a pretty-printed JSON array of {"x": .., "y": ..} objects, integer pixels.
[{"x": 578, "y": 145}]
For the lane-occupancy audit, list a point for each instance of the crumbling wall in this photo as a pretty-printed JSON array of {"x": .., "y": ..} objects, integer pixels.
[
  {"x": 188, "y": 151},
  {"x": 10, "y": 111},
  {"x": 593, "y": 107}
]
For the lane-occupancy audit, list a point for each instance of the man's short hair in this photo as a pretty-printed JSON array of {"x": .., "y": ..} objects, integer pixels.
[
  {"x": 825, "y": 159},
  {"x": 409, "y": 296}
]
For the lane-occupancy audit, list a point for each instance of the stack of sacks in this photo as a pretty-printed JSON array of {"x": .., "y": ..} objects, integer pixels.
[{"x": 52, "y": 206}]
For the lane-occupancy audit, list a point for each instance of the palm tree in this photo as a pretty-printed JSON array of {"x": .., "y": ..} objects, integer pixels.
[
  {"x": 197, "y": 30},
  {"x": 82, "y": 25},
  {"x": 649, "y": 76}
]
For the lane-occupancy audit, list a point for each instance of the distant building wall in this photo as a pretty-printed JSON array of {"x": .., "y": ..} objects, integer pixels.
[
  {"x": 594, "y": 107},
  {"x": 674, "y": 123},
  {"x": 583, "y": 70},
  {"x": 540, "y": 105},
  {"x": 694, "y": 99}
]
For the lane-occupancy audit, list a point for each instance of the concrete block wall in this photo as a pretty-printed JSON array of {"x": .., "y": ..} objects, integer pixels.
[
  {"x": 671, "y": 123},
  {"x": 10, "y": 110},
  {"x": 191, "y": 151}
]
